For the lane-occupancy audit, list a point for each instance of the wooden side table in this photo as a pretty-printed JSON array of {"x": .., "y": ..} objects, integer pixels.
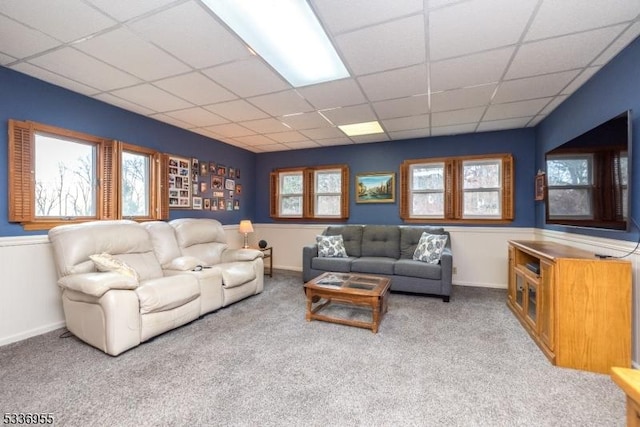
[{"x": 268, "y": 253}]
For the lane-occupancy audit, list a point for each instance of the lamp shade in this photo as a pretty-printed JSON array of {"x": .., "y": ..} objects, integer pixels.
[{"x": 245, "y": 226}]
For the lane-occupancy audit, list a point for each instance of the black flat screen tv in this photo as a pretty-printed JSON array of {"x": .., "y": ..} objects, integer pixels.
[{"x": 589, "y": 177}]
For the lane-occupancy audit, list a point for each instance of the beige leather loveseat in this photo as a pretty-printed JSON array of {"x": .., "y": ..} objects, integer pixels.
[{"x": 140, "y": 297}]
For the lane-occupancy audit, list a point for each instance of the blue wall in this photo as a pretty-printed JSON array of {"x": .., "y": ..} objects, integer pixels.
[
  {"x": 614, "y": 89},
  {"x": 387, "y": 157},
  {"x": 26, "y": 98}
]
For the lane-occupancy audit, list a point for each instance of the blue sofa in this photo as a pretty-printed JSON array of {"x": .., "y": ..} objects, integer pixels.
[{"x": 385, "y": 250}]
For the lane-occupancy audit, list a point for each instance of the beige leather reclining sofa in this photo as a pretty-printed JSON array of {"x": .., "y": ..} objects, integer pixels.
[{"x": 162, "y": 275}]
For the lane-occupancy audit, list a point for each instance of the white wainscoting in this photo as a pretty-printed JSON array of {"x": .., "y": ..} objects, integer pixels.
[{"x": 30, "y": 300}]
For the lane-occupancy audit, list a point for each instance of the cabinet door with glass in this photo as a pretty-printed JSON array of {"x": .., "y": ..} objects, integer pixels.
[
  {"x": 546, "y": 304},
  {"x": 532, "y": 303}
]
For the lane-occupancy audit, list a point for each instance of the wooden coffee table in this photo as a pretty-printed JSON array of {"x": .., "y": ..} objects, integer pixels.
[{"x": 349, "y": 289}]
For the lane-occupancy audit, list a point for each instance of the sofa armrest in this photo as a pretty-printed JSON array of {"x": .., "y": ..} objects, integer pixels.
[
  {"x": 308, "y": 253},
  {"x": 183, "y": 263},
  {"x": 233, "y": 255},
  {"x": 97, "y": 284},
  {"x": 446, "y": 263}
]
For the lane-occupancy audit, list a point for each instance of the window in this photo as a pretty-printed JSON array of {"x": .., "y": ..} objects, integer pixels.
[
  {"x": 457, "y": 189},
  {"x": 310, "y": 193},
  {"x": 57, "y": 175}
]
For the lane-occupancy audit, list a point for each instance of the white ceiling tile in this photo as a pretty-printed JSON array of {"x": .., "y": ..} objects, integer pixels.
[
  {"x": 20, "y": 41},
  {"x": 533, "y": 87},
  {"x": 406, "y": 123},
  {"x": 556, "y": 18},
  {"x": 349, "y": 115},
  {"x": 398, "y": 44},
  {"x": 536, "y": 120},
  {"x": 340, "y": 16},
  {"x": 585, "y": 75},
  {"x": 53, "y": 17},
  {"x": 476, "y": 26},
  {"x": 367, "y": 139},
  {"x": 410, "y": 106},
  {"x": 238, "y": 110},
  {"x": 265, "y": 126},
  {"x": 55, "y": 79},
  {"x": 231, "y": 130},
  {"x": 84, "y": 69},
  {"x": 281, "y": 103},
  {"x": 151, "y": 97},
  {"x": 247, "y": 78},
  {"x": 333, "y": 94},
  {"x": 620, "y": 43},
  {"x": 395, "y": 84},
  {"x": 437, "y": 4},
  {"x": 329, "y": 142},
  {"x": 472, "y": 70},
  {"x": 193, "y": 35},
  {"x": 6, "y": 59},
  {"x": 553, "y": 104},
  {"x": 290, "y": 136},
  {"x": 197, "y": 117},
  {"x": 297, "y": 145},
  {"x": 462, "y": 98},
  {"x": 124, "y": 104},
  {"x": 548, "y": 56},
  {"x": 125, "y": 50},
  {"x": 195, "y": 88},
  {"x": 516, "y": 109},
  {"x": 453, "y": 129},
  {"x": 123, "y": 10},
  {"x": 486, "y": 126},
  {"x": 303, "y": 121},
  {"x": 269, "y": 148},
  {"x": 410, "y": 134},
  {"x": 172, "y": 121},
  {"x": 332, "y": 133},
  {"x": 458, "y": 117},
  {"x": 254, "y": 140}
]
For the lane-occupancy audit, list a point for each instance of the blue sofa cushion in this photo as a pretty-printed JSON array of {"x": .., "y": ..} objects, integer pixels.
[
  {"x": 410, "y": 236},
  {"x": 373, "y": 265},
  {"x": 351, "y": 236},
  {"x": 341, "y": 265},
  {"x": 411, "y": 268},
  {"x": 381, "y": 241}
]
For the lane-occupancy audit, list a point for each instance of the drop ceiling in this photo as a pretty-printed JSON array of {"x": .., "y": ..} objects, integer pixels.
[{"x": 420, "y": 67}]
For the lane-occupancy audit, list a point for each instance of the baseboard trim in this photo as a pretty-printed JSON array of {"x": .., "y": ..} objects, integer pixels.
[{"x": 32, "y": 333}]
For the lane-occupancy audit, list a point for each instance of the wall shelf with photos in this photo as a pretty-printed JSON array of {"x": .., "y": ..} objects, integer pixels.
[{"x": 215, "y": 186}]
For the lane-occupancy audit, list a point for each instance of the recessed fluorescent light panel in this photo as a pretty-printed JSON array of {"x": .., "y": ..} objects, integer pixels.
[
  {"x": 357, "y": 129},
  {"x": 286, "y": 34}
]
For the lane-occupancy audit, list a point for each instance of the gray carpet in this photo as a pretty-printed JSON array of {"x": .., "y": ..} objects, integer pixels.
[{"x": 258, "y": 362}]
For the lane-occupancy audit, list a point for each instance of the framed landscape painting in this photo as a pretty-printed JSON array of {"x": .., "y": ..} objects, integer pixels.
[{"x": 378, "y": 187}]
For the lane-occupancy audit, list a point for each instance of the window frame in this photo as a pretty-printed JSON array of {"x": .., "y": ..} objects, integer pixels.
[
  {"x": 588, "y": 187},
  {"x": 21, "y": 180},
  {"x": 454, "y": 190},
  {"x": 309, "y": 192}
]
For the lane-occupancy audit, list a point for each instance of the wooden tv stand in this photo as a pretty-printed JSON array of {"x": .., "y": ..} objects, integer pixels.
[{"x": 577, "y": 308}]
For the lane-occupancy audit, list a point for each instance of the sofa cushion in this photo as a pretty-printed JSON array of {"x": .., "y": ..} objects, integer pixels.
[
  {"x": 331, "y": 246},
  {"x": 423, "y": 270},
  {"x": 166, "y": 293},
  {"x": 410, "y": 236},
  {"x": 430, "y": 248},
  {"x": 107, "y": 262},
  {"x": 381, "y": 241},
  {"x": 236, "y": 273},
  {"x": 351, "y": 237},
  {"x": 373, "y": 265},
  {"x": 341, "y": 265}
]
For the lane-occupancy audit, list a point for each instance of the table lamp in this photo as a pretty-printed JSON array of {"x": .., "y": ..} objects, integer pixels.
[{"x": 245, "y": 228}]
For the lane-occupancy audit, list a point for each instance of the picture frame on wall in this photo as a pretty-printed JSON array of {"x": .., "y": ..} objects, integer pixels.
[
  {"x": 376, "y": 187},
  {"x": 540, "y": 186},
  {"x": 180, "y": 185}
]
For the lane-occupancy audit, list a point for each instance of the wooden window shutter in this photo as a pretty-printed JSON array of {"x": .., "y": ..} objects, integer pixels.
[
  {"x": 161, "y": 205},
  {"x": 344, "y": 199},
  {"x": 451, "y": 202},
  {"x": 404, "y": 191},
  {"x": 109, "y": 184},
  {"x": 273, "y": 194},
  {"x": 507, "y": 188},
  {"x": 308, "y": 193},
  {"x": 21, "y": 172}
]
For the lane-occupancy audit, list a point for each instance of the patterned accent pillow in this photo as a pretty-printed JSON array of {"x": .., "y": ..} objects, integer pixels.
[
  {"x": 430, "y": 248},
  {"x": 331, "y": 246},
  {"x": 107, "y": 262}
]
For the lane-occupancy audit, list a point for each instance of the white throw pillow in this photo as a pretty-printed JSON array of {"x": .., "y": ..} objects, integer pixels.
[
  {"x": 331, "y": 246},
  {"x": 107, "y": 262},
  {"x": 430, "y": 248}
]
